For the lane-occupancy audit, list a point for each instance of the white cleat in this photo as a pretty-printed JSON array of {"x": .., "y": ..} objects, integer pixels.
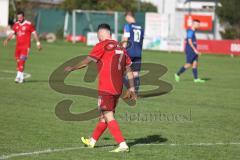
[
  {"x": 17, "y": 79},
  {"x": 121, "y": 149},
  {"x": 21, "y": 80}
]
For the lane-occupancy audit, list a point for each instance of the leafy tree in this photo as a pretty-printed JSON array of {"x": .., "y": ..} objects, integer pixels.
[
  {"x": 109, "y": 5},
  {"x": 229, "y": 15},
  {"x": 148, "y": 7}
]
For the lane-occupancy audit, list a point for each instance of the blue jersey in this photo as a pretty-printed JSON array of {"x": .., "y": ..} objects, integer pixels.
[
  {"x": 191, "y": 35},
  {"x": 134, "y": 33}
]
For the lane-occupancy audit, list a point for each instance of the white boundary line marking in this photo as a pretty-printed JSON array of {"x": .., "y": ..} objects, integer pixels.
[
  {"x": 191, "y": 144},
  {"x": 39, "y": 152},
  {"x": 26, "y": 75},
  {"x": 3, "y": 157}
]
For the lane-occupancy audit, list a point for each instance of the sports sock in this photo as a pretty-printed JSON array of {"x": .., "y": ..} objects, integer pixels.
[
  {"x": 125, "y": 82},
  {"x": 115, "y": 131},
  {"x": 137, "y": 83},
  {"x": 21, "y": 75},
  {"x": 18, "y": 65},
  {"x": 195, "y": 73},
  {"x": 99, "y": 129},
  {"x": 18, "y": 74},
  {"x": 181, "y": 70},
  {"x": 21, "y": 64},
  {"x": 92, "y": 141},
  {"x": 123, "y": 144}
]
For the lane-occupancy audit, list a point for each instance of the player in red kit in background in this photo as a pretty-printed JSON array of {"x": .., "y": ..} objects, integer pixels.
[
  {"x": 23, "y": 30},
  {"x": 112, "y": 62}
]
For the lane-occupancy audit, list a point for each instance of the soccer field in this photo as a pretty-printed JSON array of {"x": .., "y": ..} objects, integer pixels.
[{"x": 192, "y": 122}]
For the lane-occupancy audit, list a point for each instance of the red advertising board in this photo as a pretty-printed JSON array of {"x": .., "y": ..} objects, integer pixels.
[
  {"x": 219, "y": 46},
  {"x": 206, "y": 22}
]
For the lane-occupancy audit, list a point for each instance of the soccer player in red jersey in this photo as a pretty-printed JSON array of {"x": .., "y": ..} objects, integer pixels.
[
  {"x": 112, "y": 62},
  {"x": 23, "y": 30}
]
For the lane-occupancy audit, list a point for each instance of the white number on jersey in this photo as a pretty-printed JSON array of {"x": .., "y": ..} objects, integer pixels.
[
  {"x": 120, "y": 52},
  {"x": 137, "y": 35}
]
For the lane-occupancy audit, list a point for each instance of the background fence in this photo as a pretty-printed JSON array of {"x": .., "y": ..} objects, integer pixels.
[
  {"x": 162, "y": 31},
  {"x": 56, "y": 20}
]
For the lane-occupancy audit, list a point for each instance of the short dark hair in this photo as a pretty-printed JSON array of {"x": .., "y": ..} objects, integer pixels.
[
  {"x": 104, "y": 26},
  {"x": 20, "y": 12},
  {"x": 129, "y": 13},
  {"x": 196, "y": 20}
]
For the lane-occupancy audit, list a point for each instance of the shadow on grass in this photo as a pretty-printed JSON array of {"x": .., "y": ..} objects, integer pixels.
[
  {"x": 206, "y": 79},
  {"x": 191, "y": 79},
  {"x": 151, "y": 139},
  {"x": 148, "y": 140}
]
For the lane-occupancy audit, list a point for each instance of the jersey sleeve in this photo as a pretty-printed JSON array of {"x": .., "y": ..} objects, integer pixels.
[
  {"x": 189, "y": 34},
  {"x": 32, "y": 28},
  {"x": 96, "y": 53},
  {"x": 126, "y": 31},
  {"x": 14, "y": 28}
]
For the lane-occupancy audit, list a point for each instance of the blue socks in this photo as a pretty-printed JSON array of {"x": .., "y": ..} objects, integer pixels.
[
  {"x": 181, "y": 70},
  {"x": 195, "y": 73},
  {"x": 137, "y": 83},
  {"x": 125, "y": 82}
]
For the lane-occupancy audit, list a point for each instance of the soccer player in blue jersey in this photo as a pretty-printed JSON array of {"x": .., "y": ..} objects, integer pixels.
[
  {"x": 191, "y": 54},
  {"x": 133, "y": 33}
]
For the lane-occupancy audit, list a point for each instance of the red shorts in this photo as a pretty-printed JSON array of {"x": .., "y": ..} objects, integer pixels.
[
  {"x": 107, "y": 102},
  {"x": 21, "y": 53}
]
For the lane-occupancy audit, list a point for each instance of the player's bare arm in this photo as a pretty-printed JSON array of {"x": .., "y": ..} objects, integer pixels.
[
  {"x": 9, "y": 37},
  {"x": 35, "y": 35},
  {"x": 131, "y": 91},
  {"x": 125, "y": 41},
  {"x": 84, "y": 63},
  {"x": 193, "y": 47}
]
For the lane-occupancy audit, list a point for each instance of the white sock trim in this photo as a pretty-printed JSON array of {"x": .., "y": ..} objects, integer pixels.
[
  {"x": 21, "y": 75},
  {"x": 92, "y": 141},
  {"x": 18, "y": 74},
  {"x": 123, "y": 145}
]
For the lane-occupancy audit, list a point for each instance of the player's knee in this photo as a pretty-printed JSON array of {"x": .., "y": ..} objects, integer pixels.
[
  {"x": 108, "y": 119},
  {"x": 108, "y": 116},
  {"x": 187, "y": 65},
  {"x": 195, "y": 65},
  {"x": 136, "y": 74},
  {"x": 101, "y": 119}
]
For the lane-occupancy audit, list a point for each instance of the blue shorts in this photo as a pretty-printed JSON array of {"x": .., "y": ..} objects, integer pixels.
[
  {"x": 190, "y": 58},
  {"x": 136, "y": 64}
]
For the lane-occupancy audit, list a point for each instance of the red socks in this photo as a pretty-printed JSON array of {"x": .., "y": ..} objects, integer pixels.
[
  {"x": 20, "y": 65},
  {"x": 113, "y": 128},
  {"x": 115, "y": 131},
  {"x": 99, "y": 129}
]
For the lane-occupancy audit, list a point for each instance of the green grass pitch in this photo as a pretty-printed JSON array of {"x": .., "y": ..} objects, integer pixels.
[{"x": 194, "y": 122}]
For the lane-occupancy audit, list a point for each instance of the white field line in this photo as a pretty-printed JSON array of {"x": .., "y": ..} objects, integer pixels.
[
  {"x": 26, "y": 75},
  {"x": 4, "y": 157},
  {"x": 191, "y": 144},
  {"x": 39, "y": 152}
]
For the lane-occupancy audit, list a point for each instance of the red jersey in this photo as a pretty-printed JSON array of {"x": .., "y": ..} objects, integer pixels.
[
  {"x": 23, "y": 33},
  {"x": 111, "y": 62}
]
